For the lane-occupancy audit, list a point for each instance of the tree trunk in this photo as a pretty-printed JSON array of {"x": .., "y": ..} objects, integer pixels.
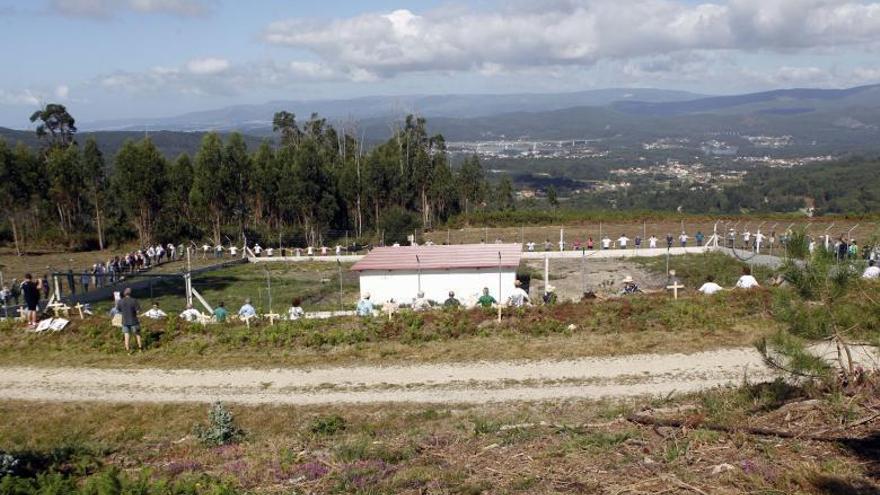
[
  {"x": 15, "y": 235},
  {"x": 99, "y": 223}
]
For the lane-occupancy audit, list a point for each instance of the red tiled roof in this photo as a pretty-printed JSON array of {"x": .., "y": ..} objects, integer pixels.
[{"x": 440, "y": 257}]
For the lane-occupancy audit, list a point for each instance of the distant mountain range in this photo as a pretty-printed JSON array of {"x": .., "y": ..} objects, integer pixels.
[
  {"x": 258, "y": 118},
  {"x": 826, "y": 121}
]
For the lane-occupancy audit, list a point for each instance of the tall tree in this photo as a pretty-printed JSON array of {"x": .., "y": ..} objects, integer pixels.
[
  {"x": 66, "y": 184},
  {"x": 239, "y": 166},
  {"x": 13, "y": 191},
  {"x": 471, "y": 183},
  {"x": 211, "y": 182},
  {"x": 139, "y": 182},
  {"x": 56, "y": 124},
  {"x": 285, "y": 123},
  {"x": 552, "y": 197},
  {"x": 264, "y": 186},
  {"x": 95, "y": 176}
]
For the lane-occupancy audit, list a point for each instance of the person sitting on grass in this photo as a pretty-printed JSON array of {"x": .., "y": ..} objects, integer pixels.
[
  {"x": 247, "y": 310},
  {"x": 486, "y": 300},
  {"x": 221, "y": 313},
  {"x": 365, "y": 306},
  {"x": 451, "y": 301},
  {"x": 747, "y": 281},
  {"x": 710, "y": 287},
  {"x": 190, "y": 314},
  {"x": 872, "y": 272},
  {"x": 128, "y": 308},
  {"x": 519, "y": 297},
  {"x": 421, "y": 303},
  {"x": 155, "y": 313},
  {"x": 550, "y": 296},
  {"x": 295, "y": 312},
  {"x": 630, "y": 286}
]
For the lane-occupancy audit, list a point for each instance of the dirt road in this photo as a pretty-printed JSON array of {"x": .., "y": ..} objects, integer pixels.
[{"x": 448, "y": 383}]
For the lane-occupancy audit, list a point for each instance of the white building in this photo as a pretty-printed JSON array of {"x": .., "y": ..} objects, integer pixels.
[{"x": 401, "y": 272}]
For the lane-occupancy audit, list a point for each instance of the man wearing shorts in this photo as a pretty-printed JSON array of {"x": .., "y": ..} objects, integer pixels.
[
  {"x": 129, "y": 308},
  {"x": 31, "y": 292}
]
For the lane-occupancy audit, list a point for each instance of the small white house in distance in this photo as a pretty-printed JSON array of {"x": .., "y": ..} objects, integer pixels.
[{"x": 400, "y": 272}]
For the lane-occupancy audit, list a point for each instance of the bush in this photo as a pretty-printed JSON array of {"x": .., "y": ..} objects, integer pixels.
[
  {"x": 328, "y": 425},
  {"x": 221, "y": 429}
]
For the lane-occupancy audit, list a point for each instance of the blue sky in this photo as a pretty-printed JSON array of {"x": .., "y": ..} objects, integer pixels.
[{"x": 109, "y": 59}]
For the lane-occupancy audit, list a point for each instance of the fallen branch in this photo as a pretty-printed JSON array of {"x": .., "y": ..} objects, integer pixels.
[{"x": 766, "y": 432}]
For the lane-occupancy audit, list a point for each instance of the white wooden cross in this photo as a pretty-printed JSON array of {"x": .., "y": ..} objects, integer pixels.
[
  {"x": 79, "y": 307},
  {"x": 674, "y": 288},
  {"x": 272, "y": 317}
]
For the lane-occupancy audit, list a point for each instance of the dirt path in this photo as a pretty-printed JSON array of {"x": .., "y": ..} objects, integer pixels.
[{"x": 449, "y": 383}]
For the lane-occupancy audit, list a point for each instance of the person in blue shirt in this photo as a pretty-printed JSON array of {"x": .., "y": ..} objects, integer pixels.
[
  {"x": 699, "y": 237},
  {"x": 365, "y": 306},
  {"x": 247, "y": 310}
]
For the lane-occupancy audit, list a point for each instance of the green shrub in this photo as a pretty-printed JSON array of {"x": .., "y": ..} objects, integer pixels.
[
  {"x": 221, "y": 429},
  {"x": 328, "y": 425}
]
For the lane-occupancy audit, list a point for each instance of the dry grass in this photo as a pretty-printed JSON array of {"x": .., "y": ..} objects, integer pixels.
[{"x": 524, "y": 448}]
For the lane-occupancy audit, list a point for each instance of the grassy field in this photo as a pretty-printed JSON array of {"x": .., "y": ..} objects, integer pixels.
[
  {"x": 316, "y": 283},
  {"x": 641, "y": 324},
  {"x": 565, "y": 447}
]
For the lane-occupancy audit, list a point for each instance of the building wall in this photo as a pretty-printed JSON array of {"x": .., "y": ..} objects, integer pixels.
[{"x": 436, "y": 284}]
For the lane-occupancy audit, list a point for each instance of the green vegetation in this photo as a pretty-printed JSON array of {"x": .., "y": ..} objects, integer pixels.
[{"x": 518, "y": 448}]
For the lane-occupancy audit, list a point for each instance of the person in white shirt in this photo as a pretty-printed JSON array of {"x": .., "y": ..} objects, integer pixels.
[
  {"x": 519, "y": 297},
  {"x": 339, "y": 249},
  {"x": 710, "y": 287},
  {"x": 190, "y": 314},
  {"x": 154, "y": 313},
  {"x": 258, "y": 249},
  {"x": 247, "y": 310},
  {"x": 310, "y": 251},
  {"x": 323, "y": 250},
  {"x": 295, "y": 312},
  {"x": 872, "y": 272},
  {"x": 747, "y": 237},
  {"x": 205, "y": 249},
  {"x": 270, "y": 252},
  {"x": 622, "y": 241},
  {"x": 747, "y": 281},
  {"x": 530, "y": 246},
  {"x": 561, "y": 245},
  {"x": 683, "y": 239},
  {"x": 812, "y": 247},
  {"x": 233, "y": 250},
  {"x": 606, "y": 242},
  {"x": 420, "y": 303},
  {"x": 759, "y": 239},
  {"x": 652, "y": 241}
]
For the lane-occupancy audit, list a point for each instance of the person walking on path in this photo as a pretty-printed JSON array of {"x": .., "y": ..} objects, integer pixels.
[{"x": 129, "y": 308}]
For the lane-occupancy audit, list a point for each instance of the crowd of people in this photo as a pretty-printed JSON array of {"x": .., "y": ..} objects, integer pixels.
[{"x": 622, "y": 242}]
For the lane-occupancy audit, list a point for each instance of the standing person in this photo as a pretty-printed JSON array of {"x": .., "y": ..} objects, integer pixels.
[
  {"x": 699, "y": 237},
  {"x": 747, "y": 240},
  {"x": 622, "y": 241},
  {"x": 638, "y": 241},
  {"x": 530, "y": 246},
  {"x": 842, "y": 249},
  {"x": 548, "y": 246},
  {"x": 84, "y": 281},
  {"x": 233, "y": 250},
  {"x": 759, "y": 241},
  {"x": 129, "y": 308},
  {"x": 683, "y": 238},
  {"x": 71, "y": 283},
  {"x": 669, "y": 240},
  {"x": 258, "y": 249},
  {"x": 590, "y": 243},
  {"x": 31, "y": 292},
  {"x": 652, "y": 242},
  {"x": 606, "y": 242}
]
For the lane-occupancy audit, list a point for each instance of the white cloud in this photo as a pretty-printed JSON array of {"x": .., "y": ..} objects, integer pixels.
[
  {"x": 23, "y": 97},
  {"x": 207, "y": 66},
  {"x": 574, "y": 33},
  {"x": 62, "y": 92},
  {"x": 108, "y": 8}
]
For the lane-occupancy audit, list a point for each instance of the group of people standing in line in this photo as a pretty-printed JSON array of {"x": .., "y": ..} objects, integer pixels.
[{"x": 622, "y": 242}]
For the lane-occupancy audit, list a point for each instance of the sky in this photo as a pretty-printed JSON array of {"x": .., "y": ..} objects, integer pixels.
[{"x": 108, "y": 59}]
